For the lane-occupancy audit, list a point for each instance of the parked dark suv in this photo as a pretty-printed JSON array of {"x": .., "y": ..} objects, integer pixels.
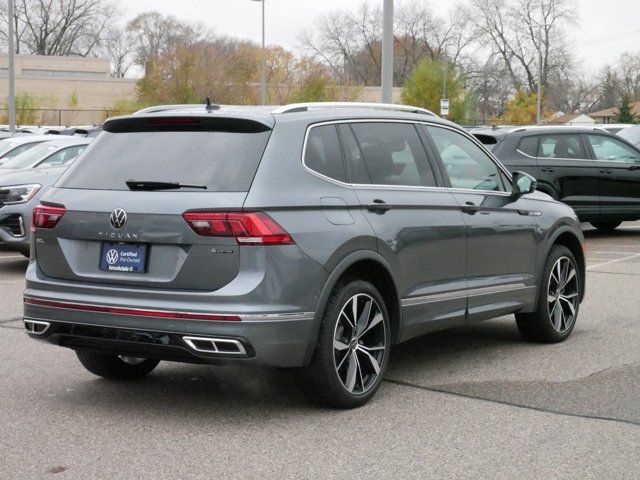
[
  {"x": 596, "y": 172},
  {"x": 312, "y": 236}
]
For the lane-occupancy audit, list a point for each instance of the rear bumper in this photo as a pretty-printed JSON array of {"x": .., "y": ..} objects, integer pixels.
[{"x": 269, "y": 341}]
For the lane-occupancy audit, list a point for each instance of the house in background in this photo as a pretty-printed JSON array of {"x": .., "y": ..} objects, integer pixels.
[
  {"x": 578, "y": 120},
  {"x": 608, "y": 115}
]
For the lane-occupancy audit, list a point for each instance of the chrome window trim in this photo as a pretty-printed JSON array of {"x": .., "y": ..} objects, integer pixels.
[{"x": 362, "y": 186}]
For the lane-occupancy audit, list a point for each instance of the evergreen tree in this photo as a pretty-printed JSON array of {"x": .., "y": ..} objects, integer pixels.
[{"x": 625, "y": 115}]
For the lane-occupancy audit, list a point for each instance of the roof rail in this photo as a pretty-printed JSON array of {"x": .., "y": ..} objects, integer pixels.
[
  {"x": 304, "y": 107},
  {"x": 165, "y": 108}
]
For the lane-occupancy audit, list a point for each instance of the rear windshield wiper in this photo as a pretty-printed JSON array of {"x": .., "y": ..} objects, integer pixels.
[{"x": 152, "y": 185}]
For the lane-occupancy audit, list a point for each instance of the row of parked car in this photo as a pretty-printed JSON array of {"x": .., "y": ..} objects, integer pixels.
[
  {"x": 591, "y": 169},
  {"x": 31, "y": 161}
]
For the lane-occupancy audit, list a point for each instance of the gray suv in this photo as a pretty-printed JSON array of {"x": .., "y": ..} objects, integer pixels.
[{"x": 312, "y": 236}]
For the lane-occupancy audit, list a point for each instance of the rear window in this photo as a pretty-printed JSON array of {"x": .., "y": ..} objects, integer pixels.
[
  {"x": 487, "y": 140},
  {"x": 222, "y": 161},
  {"x": 631, "y": 134}
]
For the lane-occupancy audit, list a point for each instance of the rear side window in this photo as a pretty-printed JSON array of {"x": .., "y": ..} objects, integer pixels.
[
  {"x": 18, "y": 150},
  {"x": 62, "y": 157},
  {"x": 322, "y": 152},
  {"x": 561, "y": 146},
  {"x": 223, "y": 161},
  {"x": 393, "y": 154},
  {"x": 528, "y": 146}
]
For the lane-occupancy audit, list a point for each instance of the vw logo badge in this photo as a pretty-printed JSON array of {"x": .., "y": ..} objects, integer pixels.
[
  {"x": 118, "y": 218},
  {"x": 112, "y": 256}
]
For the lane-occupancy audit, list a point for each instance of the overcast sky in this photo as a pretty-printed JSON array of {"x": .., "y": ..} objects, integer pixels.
[{"x": 605, "y": 30}]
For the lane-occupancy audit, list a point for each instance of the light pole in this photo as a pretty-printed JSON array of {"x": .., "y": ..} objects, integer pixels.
[
  {"x": 12, "y": 73},
  {"x": 386, "y": 82},
  {"x": 263, "y": 72}
]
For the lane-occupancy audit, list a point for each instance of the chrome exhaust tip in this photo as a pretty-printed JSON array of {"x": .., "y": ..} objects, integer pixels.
[
  {"x": 221, "y": 346},
  {"x": 36, "y": 327}
]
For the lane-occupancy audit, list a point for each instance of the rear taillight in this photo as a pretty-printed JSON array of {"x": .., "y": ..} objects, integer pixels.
[
  {"x": 251, "y": 228},
  {"x": 46, "y": 217}
]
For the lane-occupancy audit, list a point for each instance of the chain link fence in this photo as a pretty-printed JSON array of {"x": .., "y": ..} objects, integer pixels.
[{"x": 58, "y": 116}]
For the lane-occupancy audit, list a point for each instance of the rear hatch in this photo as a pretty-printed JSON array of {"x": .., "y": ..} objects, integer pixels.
[{"x": 115, "y": 231}]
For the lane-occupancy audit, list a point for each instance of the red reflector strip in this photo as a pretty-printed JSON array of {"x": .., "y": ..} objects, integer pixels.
[
  {"x": 175, "y": 121},
  {"x": 131, "y": 311}
]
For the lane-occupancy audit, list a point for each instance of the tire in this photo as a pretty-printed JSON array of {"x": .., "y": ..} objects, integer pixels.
[
  {"x": 553, "y": 321},
  {"x": 115, "y": 367},
  {"x": 606, "y": 226},
  {"x": 348, "y": 380}
]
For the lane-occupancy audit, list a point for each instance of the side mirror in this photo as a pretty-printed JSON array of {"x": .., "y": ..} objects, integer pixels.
[{"x": 522, "y": 183}]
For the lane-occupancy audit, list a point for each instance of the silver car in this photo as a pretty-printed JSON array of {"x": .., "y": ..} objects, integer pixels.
[{"x": 23, "y": 181}]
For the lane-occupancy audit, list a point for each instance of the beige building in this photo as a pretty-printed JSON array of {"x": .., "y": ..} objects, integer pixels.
[
  {"x": 62, "y": 85},
  {"x": 80, "y": 90}
]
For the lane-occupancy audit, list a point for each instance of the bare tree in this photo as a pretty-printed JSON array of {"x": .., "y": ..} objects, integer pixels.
[
  {"x": 59, "y": 27},
  {"x": 518, "y": 31},
  {"x": 116, "y": 45},
  {"x": 350, "y": 42},
  {"x": 153, "y": 34}
]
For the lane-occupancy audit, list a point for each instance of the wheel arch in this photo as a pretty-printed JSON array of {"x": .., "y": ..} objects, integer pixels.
[
  {"x": 369, "y": 266},
  {"x": 565, "y": 236}
]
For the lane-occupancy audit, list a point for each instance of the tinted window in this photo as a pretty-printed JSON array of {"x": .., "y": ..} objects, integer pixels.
[
  {"x": 62, "y": 157},
  {"x": 223, "y": 161},
  {"x": 561, "y": 146},
  {"x": 393, "y": 154},
  {"x": 356, "y": 168},
  {"x": 466, "y": 164},
  {"x": 612, "y": 150},
  {"x": 322, "y": 152},
  {"x": 528, "y": 146}
]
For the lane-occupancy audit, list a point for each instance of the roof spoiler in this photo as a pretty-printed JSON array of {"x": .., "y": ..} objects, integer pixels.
[{"x": 185, "y": 123}]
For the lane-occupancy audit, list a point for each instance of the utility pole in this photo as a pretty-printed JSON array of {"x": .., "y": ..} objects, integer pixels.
[
  {"x": 12, "y": 72},
  {"x": 444, "y": 76},
  {"x": 387, "y": 52}
]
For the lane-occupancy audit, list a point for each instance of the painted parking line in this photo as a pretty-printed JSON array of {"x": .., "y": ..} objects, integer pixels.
[
  {"x": 602, "y": 252},
  {"x": 616, "y": 260}
]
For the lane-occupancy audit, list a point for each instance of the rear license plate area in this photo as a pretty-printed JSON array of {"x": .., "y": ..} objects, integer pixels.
[{"x": 123, "y": 257}]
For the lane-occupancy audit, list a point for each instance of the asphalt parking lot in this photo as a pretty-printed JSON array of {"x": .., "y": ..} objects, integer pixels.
[{"x": 474, "y": 402}]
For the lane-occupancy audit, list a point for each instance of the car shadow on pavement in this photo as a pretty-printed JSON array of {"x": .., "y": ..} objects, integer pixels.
[
  {"x": 190, "y": 391},
  {"x": 13, "y": 266}
]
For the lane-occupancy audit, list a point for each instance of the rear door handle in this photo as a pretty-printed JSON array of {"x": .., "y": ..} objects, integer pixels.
[
  {"x": 379, "y": 206},
  {"x": 547, "y": 169},
  {"x": 607, "y": 172}
]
